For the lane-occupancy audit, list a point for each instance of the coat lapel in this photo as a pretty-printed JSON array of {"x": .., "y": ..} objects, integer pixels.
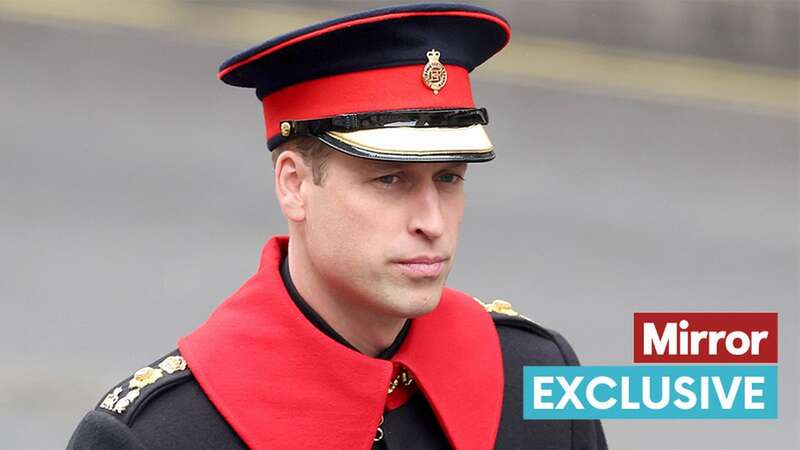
[{"x": 282, "y": 383}]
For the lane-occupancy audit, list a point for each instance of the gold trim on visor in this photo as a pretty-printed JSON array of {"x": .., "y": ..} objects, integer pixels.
[{"x": 418, "y": 141}]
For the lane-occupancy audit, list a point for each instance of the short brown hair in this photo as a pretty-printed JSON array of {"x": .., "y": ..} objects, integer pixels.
[{"x": 313, "y": 151}]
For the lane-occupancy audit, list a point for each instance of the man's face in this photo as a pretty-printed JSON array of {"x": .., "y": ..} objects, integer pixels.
[{"x": 384, "y": 234}]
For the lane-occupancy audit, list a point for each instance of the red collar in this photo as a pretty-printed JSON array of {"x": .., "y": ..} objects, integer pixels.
[{"x": 279, "y": 381}]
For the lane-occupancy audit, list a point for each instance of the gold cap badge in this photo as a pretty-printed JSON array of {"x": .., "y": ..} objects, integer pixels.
[{"x": 434, "y": 74}]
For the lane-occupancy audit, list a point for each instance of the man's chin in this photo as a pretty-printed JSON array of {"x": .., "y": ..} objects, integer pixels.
[{"x": 420, "y": 303}]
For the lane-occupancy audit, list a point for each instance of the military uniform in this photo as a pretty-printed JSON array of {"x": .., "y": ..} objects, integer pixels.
[{"x": 266, "y": 371}]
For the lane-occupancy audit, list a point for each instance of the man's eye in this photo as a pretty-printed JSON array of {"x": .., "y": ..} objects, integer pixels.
[
  {"x": 388, "y": 179},
  {"x": 450, "y": 178}
]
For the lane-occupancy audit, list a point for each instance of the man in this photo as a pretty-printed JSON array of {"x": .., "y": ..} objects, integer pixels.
[{"x": 346, "y": 338}]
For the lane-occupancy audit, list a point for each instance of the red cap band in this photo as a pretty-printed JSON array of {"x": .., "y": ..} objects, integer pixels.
[{"x": 385, "y": 89}]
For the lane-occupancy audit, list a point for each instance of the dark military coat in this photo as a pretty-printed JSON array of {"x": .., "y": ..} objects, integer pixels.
[{"x": 165, "y": 406}]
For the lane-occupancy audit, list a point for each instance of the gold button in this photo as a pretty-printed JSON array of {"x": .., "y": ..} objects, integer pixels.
[{"x": 286, "y": 129}]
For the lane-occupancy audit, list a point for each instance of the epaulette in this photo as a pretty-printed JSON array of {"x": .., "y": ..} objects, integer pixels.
[
  {"x": 504, "y": 314},
  {"x": 130, "y": 395}
]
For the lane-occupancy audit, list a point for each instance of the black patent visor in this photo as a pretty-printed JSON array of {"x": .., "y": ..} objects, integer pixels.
[{"x": 417, "y": 118}]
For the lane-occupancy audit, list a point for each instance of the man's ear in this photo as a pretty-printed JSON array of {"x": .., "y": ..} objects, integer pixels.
[{"x": 291, "y": 173}]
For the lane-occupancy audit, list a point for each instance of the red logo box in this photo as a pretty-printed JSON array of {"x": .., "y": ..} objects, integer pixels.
[{"x": 692, "y": 337}]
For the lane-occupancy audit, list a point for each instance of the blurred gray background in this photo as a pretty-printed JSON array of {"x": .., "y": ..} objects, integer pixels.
[{"x": 647, "y": 161}]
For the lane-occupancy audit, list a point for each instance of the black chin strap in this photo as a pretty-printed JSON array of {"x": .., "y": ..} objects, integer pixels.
[{"x": 449, "y": 118}]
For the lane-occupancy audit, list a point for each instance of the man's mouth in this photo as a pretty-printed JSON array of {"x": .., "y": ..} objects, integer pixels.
[{"x": 426, "y": 266}]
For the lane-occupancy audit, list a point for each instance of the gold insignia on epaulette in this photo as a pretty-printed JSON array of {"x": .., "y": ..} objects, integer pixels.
[
  {"x": 145, "y": 376},
  {"x": 124, "y": 402},
  {"x": 500, "y": 307},
  {"x": 497, "y": 306},
  {"x": 111, "y": 398},
  {"x": 172, "y": 364}
]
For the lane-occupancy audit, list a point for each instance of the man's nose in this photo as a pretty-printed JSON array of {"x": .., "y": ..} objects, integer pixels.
[{"x": 426, "y": 212}]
